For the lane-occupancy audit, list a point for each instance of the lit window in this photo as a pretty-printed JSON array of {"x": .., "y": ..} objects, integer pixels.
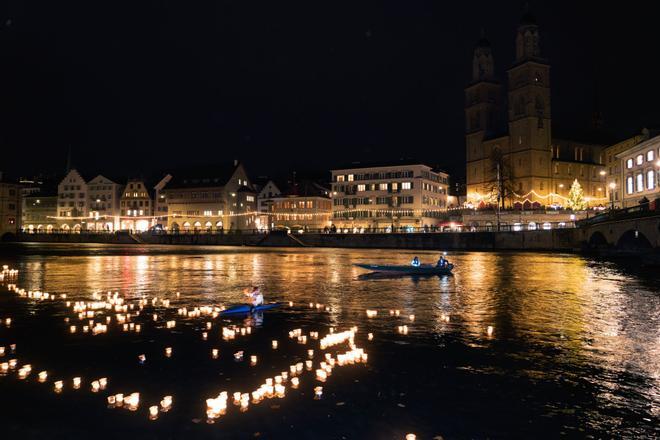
[
  {"x": 382, "y": 186},
  {"x": 141, "y": 212},
  {"x": 650, "y": 155},
  {"x": 650, "y": 178},
  {"x": 208, "y": 213},
  {"x": 395, "y": 186},
  {"x": 629, "y": 163},
  {"x": 340, "y": 178},
  {"x": 361, "y": 187},
  {"x": 239, "y": 181},
  {"x": 640, "y": 159},
  {"x": 249, "y": 198},
  {"x": 640, "y": 182},
  {"x": 350, "y": 177},
  {"x": 406, "y": 185},
  {"x": 629, "y": 184}
]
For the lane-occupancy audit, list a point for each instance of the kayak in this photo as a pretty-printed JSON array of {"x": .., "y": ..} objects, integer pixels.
[
  {"x": 424, "y": 269},
  {"x": 245, "y": 309}
]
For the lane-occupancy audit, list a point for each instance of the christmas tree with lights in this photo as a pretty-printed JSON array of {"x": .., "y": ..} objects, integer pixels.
[{"x": 576, "y": 197}]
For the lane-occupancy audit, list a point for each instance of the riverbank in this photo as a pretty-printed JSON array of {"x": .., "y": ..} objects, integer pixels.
[{"x": 563, "y": 240}]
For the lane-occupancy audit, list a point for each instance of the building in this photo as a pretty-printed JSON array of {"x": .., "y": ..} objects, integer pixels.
[
  {"x": 40, "y": 210},
  {"x": 392, "y": 196},
  {"x": 614, "y": 169},
  {"x": 10, "y": 207},
  {"x": 160, "y": 202},
  {"x": 518, "y": 157},
  {"x": 220, "y": 198},
  {"x": 136, "y": 207},
  {"x": 640, "y": 170},
  {"x": 304, "y": 206},
  {"x": 72, "y": 202},
  {"x": 104, "y": 212}
]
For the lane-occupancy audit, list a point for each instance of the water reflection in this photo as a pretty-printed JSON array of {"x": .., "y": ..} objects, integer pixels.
[{"x": 552, "y": 318}]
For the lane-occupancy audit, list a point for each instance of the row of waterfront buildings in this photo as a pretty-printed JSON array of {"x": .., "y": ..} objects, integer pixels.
[{"x": 514, "y": 161}]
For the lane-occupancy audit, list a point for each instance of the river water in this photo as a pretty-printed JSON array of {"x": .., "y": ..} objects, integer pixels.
[{"x": 573, "y": 348}]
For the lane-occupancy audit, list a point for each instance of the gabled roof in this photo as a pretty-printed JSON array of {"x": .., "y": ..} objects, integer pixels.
[{"x": 202, "y": 177}]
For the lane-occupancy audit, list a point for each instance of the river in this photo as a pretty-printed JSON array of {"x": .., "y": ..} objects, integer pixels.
[{"x": 512, "y": 345}]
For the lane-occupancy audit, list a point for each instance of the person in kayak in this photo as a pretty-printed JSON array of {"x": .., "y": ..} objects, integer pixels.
[
  {"x": 255, "y": 297},
  {"x": 415, "y": 262}
]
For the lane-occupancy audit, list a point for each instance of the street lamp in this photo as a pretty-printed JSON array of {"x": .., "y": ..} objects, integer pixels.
[{"x": 612, "y": 187}]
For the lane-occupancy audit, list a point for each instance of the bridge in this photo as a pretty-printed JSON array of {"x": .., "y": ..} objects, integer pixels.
[{"x": 634, "y": 230}]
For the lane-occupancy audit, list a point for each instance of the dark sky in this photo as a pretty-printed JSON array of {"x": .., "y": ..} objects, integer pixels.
[{"x": 136, "y": 87}]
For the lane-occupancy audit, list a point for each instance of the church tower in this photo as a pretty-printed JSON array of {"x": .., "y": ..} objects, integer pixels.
[
  {"x": 482, "y": 110},
  {"x": 529, "y": 112}
]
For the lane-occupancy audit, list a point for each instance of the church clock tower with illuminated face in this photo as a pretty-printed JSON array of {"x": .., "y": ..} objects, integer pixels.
[{"x": 529, "y": 113}]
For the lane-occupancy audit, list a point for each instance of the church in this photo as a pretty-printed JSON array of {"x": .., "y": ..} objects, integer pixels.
[{"x": 510, "y": 148}]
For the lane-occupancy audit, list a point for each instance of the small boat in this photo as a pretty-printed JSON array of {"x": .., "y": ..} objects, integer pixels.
[
  {"x": 424, "y": 269},
  {"x": 244, "y": 309}
]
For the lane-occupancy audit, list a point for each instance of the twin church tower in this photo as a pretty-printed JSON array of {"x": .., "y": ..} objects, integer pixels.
[{"x": 534, "y": 168}]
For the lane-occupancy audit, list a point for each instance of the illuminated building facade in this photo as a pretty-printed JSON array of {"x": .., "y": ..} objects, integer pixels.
[
  {"x": 640, "y": 170},
  {"x": 72, "y": 202},
  {"x": 217, "y": 199},
  {"x": 104, "y": 198},
  {"x": 135, "y": 207},
  {"x": 39, "y": 213},
  {"x": 304, "y": 206},
  {"x": 10, "y": 207},
  {"x": 535, "y": 169},
  {"x": 388, "y": 196}
]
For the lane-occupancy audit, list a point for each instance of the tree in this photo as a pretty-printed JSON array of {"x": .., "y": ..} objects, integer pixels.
[
  {"x": 500, "y": 187},
  {"x": 576, "y": 197}
]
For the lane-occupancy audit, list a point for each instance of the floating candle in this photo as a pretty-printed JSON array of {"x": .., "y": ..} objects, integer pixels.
[
  {"x": 76, "y": 382},
  {"x": 411, "y": 436},
  {"x": 411, "y": 317},
  {"x": 318, "y": 392},
  {"x": 168, "y": 352},
  {"x": 295, "y": 382},
  {"x": 112, "y": 400},
  {"x": 43, "y": 376},
  {"x": 372, "y": 313},
  {"x": 370, "y": 336},
  {"x": 308, "y": 365},
  {"x": 96, "y": 386},
  {"x": 274, "y": 344},
  {"x": 58, "y": 386},
  {"x": 215, "y": 353},
  {"x": 103, "y": 382},
  {"x": 310, "y": 353},
  {"x": 153, "y": 412},
  {"x": 142, "y": 358},
  {"x": 253, "y": 360},
  {"x": 166, "y": 403}
]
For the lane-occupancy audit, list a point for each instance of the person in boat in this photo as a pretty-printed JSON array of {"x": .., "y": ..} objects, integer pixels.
[
  {"x": 442, "y": 262},
  {"x": 255, "y": 297},
  {"x": 415, "y": 262}
]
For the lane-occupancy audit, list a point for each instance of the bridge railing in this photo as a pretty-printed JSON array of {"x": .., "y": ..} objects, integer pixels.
[{"x": 639, "y": 211}]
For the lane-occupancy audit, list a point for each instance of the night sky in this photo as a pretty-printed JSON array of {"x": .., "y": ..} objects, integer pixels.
[{"x": 137, "y": 87}]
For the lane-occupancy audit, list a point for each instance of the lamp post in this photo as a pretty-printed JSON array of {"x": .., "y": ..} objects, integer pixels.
[{"x": 612, "y": 187}]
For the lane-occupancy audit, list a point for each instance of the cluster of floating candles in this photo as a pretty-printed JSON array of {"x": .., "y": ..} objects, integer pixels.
[
  {"x": 403, "y": 329},
  {"x": 372, "y": 313},
  {"x": 337, "y": 338}
]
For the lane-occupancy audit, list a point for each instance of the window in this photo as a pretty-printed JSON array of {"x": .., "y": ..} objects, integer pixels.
[
  {"x": 208, "y": 213},
  {"x": 350, "y": 177},
  {"x": 650, "y": 155},
  {"x": 249, "y": 198},
  {"x": 629, "y": 184},
  {"x": 406, "y": 185},
  {"x": 639, "y": 159},
  {"x": 340, "y": 178},
  {"x": 650, "y": 179},
  {"x": 382, "y": 186},
  {"x": 640, "y": 182},
  {"x": 361, "y": 187},
  {"x": 629, "y": 163},
  {"x": 395, "y": 186}
]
